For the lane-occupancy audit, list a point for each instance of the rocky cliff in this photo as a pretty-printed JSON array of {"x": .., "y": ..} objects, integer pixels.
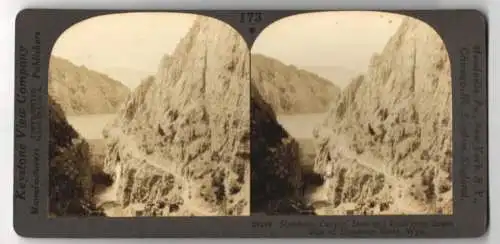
[
  {"x": 181, "y": 144},
  {"x": 289, "y": 89},
  {"x": 386, "y": 145},
  {"x": 70, "y": 185},
  {"x": 80, "y": 90}
]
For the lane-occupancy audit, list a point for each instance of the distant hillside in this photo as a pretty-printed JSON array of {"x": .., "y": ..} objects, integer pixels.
[
  {"x": 338, "y": 75},
  {"x": 289, "y": 89},
  {"x": 80, "y": 90}
]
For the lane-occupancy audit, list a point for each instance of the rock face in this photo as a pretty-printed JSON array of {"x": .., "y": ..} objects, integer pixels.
[
  {"x": 276, "y": 171},
  {"x": 386, "y": 145},
  {"x": 181, "y": 144},
  {"x": 72, "y": 86},
  {"x": 289, "y": 89},
  {"x": 70, "y": 186}
]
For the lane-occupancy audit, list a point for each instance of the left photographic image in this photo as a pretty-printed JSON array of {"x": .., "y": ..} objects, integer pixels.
[{"x": 149, "y": 116}]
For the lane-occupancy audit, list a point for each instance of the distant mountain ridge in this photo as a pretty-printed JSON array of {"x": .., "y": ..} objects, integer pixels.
[
  {"x": 289, "y": 89},
  {"x": 130, "y": 77},
  {"x": 80, "y": 90},
  {"x": 340, "y": 76}
]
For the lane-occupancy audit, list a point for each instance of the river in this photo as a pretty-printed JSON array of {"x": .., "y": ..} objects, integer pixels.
[
  {"x": 301, "y": 126},
  {"x": 90, "y": 126}
]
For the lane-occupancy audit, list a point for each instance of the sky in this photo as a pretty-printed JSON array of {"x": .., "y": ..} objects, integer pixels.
[
  {"x": 343, "y": 39},
  {"x": 134, "y": 41},
  {"x": 137, "y": 41}
]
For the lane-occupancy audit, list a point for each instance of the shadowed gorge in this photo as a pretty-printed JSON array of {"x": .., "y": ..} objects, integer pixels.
[
  {"x": 276, "y": 172},
  {"x": 81, "y": 102},
  {"x": 70, "y": 185}
]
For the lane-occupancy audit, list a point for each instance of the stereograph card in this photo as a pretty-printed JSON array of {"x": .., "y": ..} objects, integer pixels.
[{"x": 327, "y": 123}]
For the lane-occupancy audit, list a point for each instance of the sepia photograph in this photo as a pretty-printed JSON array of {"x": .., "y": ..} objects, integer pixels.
[
  {"x": 328, "y": 113},
  {"x": 149, "y": 116},
  {"x": 351, "y": 115}
]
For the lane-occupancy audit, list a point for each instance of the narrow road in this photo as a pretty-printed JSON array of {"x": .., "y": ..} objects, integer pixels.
[
  {"x": 403, "y": 203},
  {"x": 168, "y": 167},
  {"x": 301, "y": 126}
]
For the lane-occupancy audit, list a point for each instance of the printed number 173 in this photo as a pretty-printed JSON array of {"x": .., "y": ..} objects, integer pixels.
[{"x": 251, "y": 17}]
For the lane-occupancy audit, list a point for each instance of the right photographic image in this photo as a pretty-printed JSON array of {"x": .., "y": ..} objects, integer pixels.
[{"x": 351, "y": 114}]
